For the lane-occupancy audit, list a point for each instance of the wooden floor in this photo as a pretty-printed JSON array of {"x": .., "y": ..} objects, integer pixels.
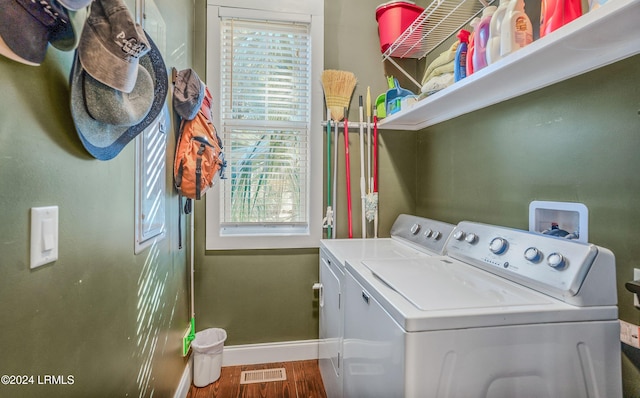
[{"x": 303, "y": 380}]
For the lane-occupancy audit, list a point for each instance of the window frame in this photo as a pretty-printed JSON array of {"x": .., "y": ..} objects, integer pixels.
[{"x": 277, "y": 10}]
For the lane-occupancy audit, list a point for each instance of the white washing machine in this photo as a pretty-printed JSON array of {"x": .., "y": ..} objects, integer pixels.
[
  {"x": 505, "y": 313},
  {"x": 411, "y": 237}
]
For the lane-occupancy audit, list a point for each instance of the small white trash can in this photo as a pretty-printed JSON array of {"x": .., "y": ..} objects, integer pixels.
[{"x": 207, "y": 356}]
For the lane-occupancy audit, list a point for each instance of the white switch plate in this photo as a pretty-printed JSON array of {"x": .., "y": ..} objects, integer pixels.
[{"x": 44, "y": 235}]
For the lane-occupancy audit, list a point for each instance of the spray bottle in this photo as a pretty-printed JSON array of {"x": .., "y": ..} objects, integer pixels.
[
  {"x": 517, "y": 31},
  {"x": 460, "y": 66}
]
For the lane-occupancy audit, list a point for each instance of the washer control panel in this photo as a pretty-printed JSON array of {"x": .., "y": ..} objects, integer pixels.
[
  {"x": 421, "y": 232},
  {"x": 552, "y": 265}
]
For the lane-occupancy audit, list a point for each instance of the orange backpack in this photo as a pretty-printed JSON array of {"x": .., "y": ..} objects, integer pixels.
[{"x": 199, "y": 158}]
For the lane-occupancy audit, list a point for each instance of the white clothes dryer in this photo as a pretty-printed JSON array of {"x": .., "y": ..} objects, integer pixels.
[{"x": 411, "y": 237}]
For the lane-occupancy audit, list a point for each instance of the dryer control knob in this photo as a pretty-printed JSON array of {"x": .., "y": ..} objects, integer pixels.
[
  {"x": 415, "y": 228},
  {"x": 458, "y": 235},
  {"x": 436, "y": 235},
  {"x": 532, "y": 254},
  {"x": 556, "y": 260},
  {"x": 498, "y": 245},
  {"x": 428, "y": 233},
  {"x": 471, "y": 238}
]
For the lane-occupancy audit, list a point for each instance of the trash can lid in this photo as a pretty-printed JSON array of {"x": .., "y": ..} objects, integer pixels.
[{"x": 209, "y": 338}]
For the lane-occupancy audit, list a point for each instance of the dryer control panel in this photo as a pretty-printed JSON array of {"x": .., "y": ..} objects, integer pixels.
[
  {"x": 561, "y": 268},
  {"x": 422, "y": 233}
]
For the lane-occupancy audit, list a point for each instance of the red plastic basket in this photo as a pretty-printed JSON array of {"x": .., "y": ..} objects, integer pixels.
[{"x": 393, "y": 19}]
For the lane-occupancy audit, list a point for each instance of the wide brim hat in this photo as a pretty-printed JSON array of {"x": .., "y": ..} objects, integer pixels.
[
  {"x": 27, "y": 26},
  {"x": 104, "y": 140}
]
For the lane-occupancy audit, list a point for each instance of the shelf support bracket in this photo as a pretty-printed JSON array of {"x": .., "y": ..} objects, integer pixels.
[{"x": 414, "y": 81}]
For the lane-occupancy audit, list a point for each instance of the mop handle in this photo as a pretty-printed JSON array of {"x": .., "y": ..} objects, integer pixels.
[
  {"x": 330, "y": 222},
  {"x": 369, "y": 177},
  {"x": 375, "y": 152},
  {"x": 348, "y": 173},
  {"x": 375, "y": 171},
  {"x": 335, "y": 181},
  {"x": 362, "y": 176}
]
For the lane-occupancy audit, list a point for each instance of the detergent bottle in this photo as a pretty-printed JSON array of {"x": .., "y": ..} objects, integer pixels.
[
  {"x": 493, "y": 45},
  {"x": 517, "y": 31},
  {"x": 556, "y": 13},
  {"x": 472, "y": 45},
  {"x": 460, "y": 66},
  {"x": 481, "y": 38}
]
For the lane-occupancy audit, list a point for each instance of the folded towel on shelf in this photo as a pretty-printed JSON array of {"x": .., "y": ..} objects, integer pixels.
[
  {"x": 446, "y": 58},
  {"x": 437, "y": 83}
]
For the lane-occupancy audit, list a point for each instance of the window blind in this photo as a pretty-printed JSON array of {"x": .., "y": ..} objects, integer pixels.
[{"x": 265, "y": 120}]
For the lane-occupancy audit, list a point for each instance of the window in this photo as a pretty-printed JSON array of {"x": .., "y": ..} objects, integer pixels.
[
  {"x": 264, "y": 71},
  {"x": 151, "y": 151}
]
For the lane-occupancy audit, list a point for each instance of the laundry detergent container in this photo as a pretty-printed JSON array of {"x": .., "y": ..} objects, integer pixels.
[
  {"x": 394, "y": 18},
  {"x": 207, "y": 356}
]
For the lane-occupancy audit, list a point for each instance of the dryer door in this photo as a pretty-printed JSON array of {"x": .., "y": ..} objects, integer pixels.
[{"x": 331, "y": 319}]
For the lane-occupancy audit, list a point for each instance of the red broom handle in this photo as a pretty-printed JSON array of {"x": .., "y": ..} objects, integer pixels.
[
  {"x": 375, "y": 153},
  {"x": 348, "y": 171}
]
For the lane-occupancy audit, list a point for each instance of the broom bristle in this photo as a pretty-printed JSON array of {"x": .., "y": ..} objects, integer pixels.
[{"x": 338, "y": 88}]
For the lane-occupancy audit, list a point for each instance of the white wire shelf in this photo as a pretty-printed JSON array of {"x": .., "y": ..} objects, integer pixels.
[
  {"x": 596, "y": 39},
  {"x": 439, "y": 21}
]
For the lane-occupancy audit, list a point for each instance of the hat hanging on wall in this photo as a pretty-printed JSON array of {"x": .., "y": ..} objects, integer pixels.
[
  {"x": 111, "y": 45},
  {"x": 27, "y": 27},
  {"x": 106, "y": 117},
  {"x": 77, "y": 19},
  {"x": 188, "y": 94}
]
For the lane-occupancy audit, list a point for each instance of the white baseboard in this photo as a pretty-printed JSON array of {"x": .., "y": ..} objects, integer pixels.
[
  {"x": 251, "y": 354},
  {"x": 185, "y": 382},
  {"x": 285, "y": 351}
]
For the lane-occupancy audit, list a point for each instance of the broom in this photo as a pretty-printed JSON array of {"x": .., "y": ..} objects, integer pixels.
[{"x": 338, "y": 88}]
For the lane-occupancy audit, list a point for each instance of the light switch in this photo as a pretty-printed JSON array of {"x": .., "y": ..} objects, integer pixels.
[{"x": 44, "y": 235}]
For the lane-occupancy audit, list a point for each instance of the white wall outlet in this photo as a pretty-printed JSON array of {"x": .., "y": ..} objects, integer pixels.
[
  {"x": 629, "y": 334},
  {"x": 636, "y": 276}
]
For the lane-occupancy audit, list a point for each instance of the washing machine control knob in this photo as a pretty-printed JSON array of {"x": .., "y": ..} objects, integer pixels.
[
  {"x": 556, "y": 260},
  {"x": 498, "y": 245},
  {"x": 471, "y": 238},
  {"x": 428, "y": 233},
  {"x": 415, "y": 228},
  {"x": 436, "y": 235},
  {"x": 532, "y": 254},
  {"x": 458, "y": 235}
]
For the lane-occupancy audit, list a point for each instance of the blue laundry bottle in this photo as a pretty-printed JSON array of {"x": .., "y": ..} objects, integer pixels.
[{"x": 460, "y": 66}]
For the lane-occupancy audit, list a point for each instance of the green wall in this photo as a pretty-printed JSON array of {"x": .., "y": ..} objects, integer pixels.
[
  {"x": 265, "y": 295},
  {"x": 111, "y": 319},
  {"x": 576, "y": 141}
]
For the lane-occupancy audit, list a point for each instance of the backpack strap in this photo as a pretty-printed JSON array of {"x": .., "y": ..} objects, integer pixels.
[
  {"x": 199, "y": 169},
  {"x": 179, "y": 222}
]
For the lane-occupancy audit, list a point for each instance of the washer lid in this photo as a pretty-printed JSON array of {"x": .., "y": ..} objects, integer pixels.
[
  {"x": 441, "y": 283},
  {"x": 442, "y": 293}
]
